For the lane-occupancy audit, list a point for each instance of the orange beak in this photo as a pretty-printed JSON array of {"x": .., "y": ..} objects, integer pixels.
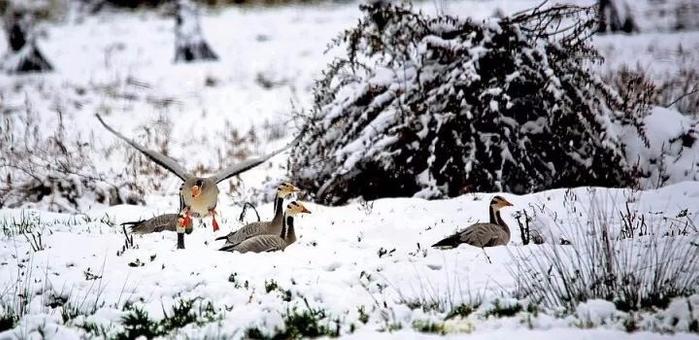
[
  {"x": 506, "y": 203},
  {"x": 196, "y": 191},
  {"x": 304, "y": 210}
]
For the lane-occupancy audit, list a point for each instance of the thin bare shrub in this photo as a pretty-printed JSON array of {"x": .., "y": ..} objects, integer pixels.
[
  {"x": 678, "y": 90},
  {"x": 42, "y": 165},
  {"x": 633, "y": 270},
  {"x": 16, "y": 294}
]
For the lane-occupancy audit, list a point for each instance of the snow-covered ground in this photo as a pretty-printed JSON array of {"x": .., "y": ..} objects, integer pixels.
[
  {"x": 361, "y": 260},
  {"x": 346, "y": 259}
]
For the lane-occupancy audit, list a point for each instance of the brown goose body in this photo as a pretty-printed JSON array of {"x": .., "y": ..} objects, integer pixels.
[
  {"x": 267, "y": 243},
  {"x": 154, "y": 225},
  {"x": 259, "y": 244},
  {"x": 494, "y": 233},
  {"x": 273, "y": 227},
  {"x": 202, "y": 204},
  {"x": 268, "y": 228}
]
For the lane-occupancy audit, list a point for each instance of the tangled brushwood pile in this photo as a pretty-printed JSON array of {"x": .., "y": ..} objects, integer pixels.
[{"x": 438, "y": 106}]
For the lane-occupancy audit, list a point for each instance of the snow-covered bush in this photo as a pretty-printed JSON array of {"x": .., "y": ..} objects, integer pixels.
[{"x": 438, "y": 106}]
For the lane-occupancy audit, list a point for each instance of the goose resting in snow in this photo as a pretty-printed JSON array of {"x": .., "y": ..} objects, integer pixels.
[
  {"x": 266, "y": 243},
  {"x": 273, "y": 227},
  {"x": 494, "y": 233}
]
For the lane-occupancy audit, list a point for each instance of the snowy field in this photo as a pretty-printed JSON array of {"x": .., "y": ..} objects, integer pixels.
[
  {"x": 364, "y": 270},
  {"x": 372, "y": 258}
]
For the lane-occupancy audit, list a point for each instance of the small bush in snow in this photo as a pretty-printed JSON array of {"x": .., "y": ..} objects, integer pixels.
[
  {"x": 429, "y": 326},
  {"x": 8, "y": 319},
  {"x": 438, "y": 106},
  {"x": 136, "y": 322},
  {"x": 463, "y": 310},
  {"x": 17, "y": 296},
  {"x": 502, "y": 309},
  {"x": 300, "y": 323}
]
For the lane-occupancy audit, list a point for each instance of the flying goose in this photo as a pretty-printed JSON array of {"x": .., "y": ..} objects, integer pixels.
[
  {"x": 273, "y": 227},
  {"x": 495, "y": 233},
  {"x": 265, "y": 243},
  {"x": 198, "y": 195}
]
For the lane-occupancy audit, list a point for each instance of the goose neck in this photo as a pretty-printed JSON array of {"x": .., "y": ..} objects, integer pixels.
[
  {"x": 290, "y": 235},
  {"x": 278, "y": 204},
  {"x": 495, "y": 218}
]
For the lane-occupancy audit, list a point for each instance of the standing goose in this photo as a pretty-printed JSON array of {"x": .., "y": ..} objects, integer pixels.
[
  {"x": 198, "y": 195},
  {"x": 273, "y": 227},
  {"x": 495, "y": 233},
  {"x": 265, "y": 243}
]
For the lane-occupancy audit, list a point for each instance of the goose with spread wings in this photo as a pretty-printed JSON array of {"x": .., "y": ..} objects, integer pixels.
[{"x": 198, "y": 195}]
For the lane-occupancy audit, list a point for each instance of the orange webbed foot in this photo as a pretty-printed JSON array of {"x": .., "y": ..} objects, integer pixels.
[
  {"x": 185, "y": 221},
  {"x": 214, "y": 224}
]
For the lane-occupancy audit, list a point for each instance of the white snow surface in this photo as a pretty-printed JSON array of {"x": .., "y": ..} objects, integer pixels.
[
  {"x": 121, "y": 64},
  {"x": 335, "y": 264}
]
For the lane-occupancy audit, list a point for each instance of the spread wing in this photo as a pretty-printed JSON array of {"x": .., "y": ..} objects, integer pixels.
[
  {"x": 247, "y": 164},
  {"x": 258, "y": 244},
  {"x": 162, "y": 160}
]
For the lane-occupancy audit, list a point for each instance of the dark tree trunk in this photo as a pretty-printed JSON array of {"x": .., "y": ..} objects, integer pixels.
[
  {"x": 190, "y": 44},
  {"x": 24, "y": 55},
  {"x": 611, "y": 20}
]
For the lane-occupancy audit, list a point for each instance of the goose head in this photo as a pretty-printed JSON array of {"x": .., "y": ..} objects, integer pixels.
[
  {"x": 201, "y": 185},
  {"x": 296, "y": 208},
  {"x": 498, "y": 202},
  {"x": 285, "y": 189}
]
